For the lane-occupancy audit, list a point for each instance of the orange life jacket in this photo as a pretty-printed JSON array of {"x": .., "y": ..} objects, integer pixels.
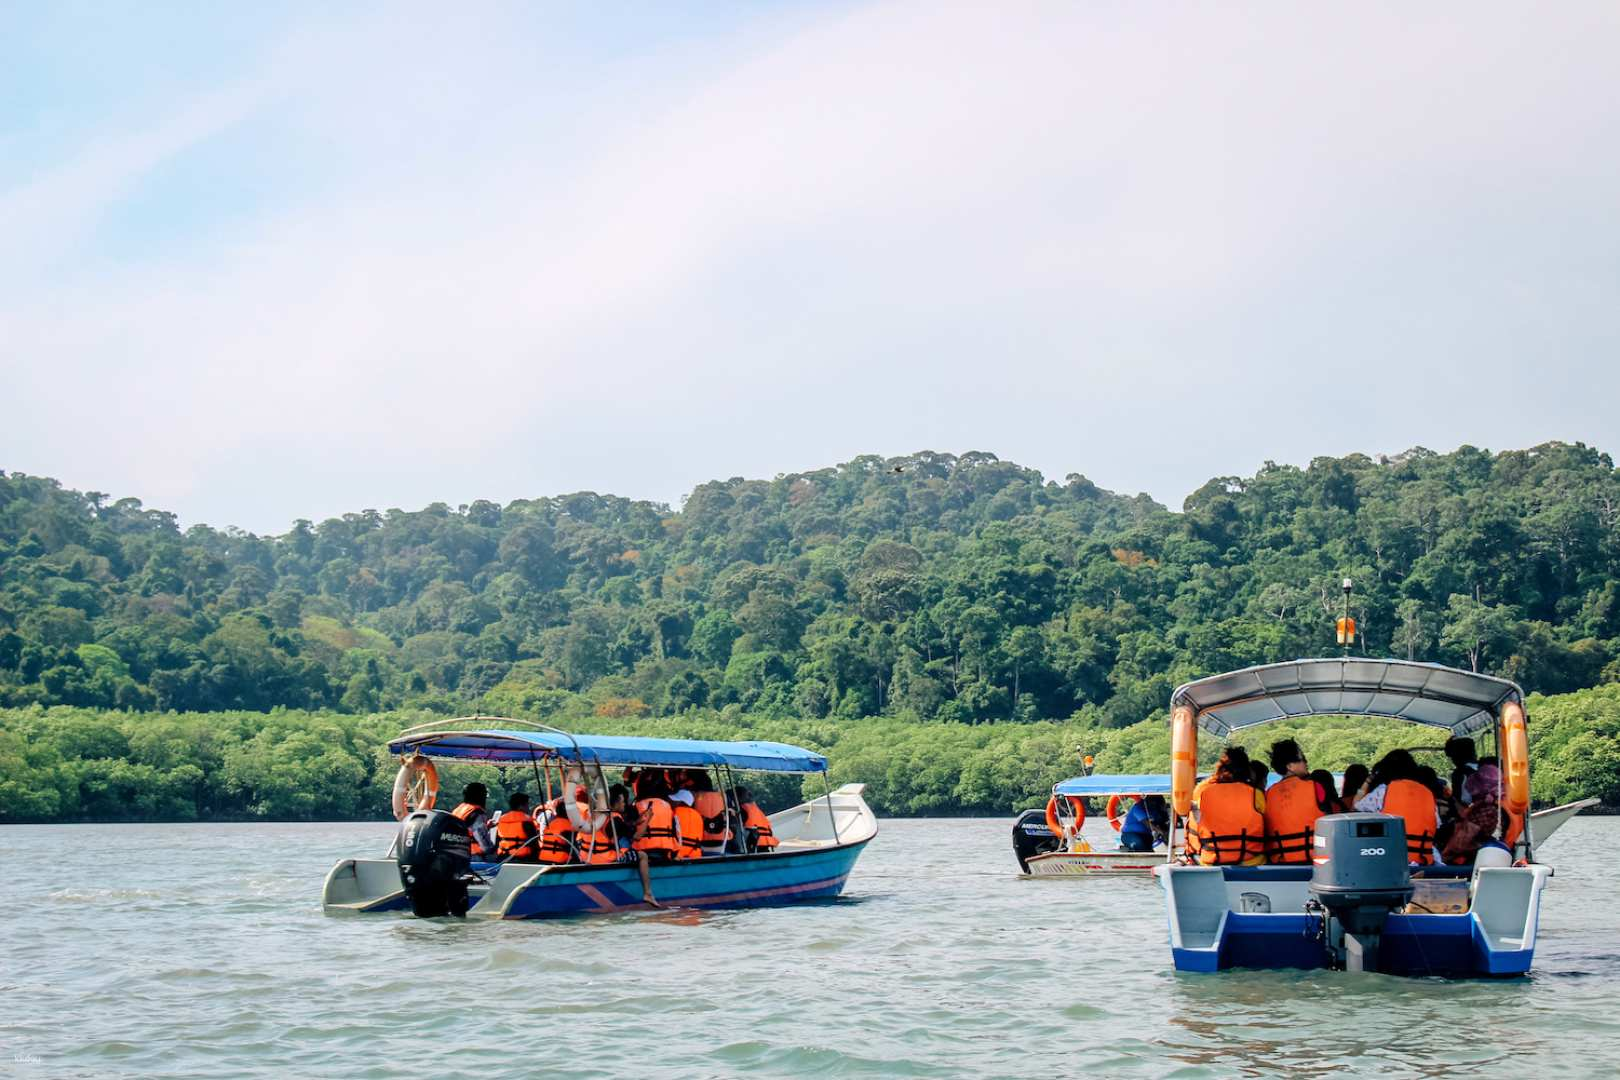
[
  {"x": 755, "y": 821},
  {"x": 690, "y": 824},
  {"x": 1291, "y": 813},
  {"x": 556, "y": 844},
  {"x": 1230, "y": 829},
  {"x": 660, "y": 819},
  {"x": 1414, "y": 802},
  {"x": 465, "y": 814},
  {"x": 712, "y": 805},
  {"x": 514, "y": 836},
  {"x": 595, "y": 847}
]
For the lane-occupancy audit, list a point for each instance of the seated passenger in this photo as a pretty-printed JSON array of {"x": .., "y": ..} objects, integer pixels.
[
  {"x": 557, "y": 840},
  {"x": 1395, "y": 788},
  {"x": 1259, "y": 775},
  {"x": 622, "y": 823},
  {"x": 1292, "y": 805},
  {"x": 654, "y": 837},
  {"x": 472, "y": 814},
  {"x": 1481, "y": 819},
  {"x": 515, "y": 831},
  {"x": 1355, "y": 776},
  {"x": 756, "y": 826},
  {"x": 1325, "y": 789},
  {"x": 711, "y": 806},
  {"x": 1146, "y": 824},
  {"x": 688, "y": 826},
  {"x": 1228, "y": 814}
]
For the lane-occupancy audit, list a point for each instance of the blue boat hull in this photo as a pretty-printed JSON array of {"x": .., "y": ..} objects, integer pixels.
[
  {"x": 789, "y": 877},
  {"x": 1209, "y": 932}
]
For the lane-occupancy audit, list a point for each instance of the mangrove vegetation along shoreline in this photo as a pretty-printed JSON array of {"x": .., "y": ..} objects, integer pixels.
[{"x": 74, "y": 764}]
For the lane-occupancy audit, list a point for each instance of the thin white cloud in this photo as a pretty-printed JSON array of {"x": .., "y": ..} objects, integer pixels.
[{"x": 1059, "y": 233}]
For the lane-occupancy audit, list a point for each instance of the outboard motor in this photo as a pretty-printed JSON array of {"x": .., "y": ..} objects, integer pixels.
[
  {"x": 1032, "y": 837},
  {"x": 1359, "y": 876},
  {"x": 435, "y": 863}
]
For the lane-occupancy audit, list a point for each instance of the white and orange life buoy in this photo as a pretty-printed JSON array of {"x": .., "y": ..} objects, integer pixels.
[
  {"x": 416, "y": 786},
  {"x": 1077, "y": 808}
]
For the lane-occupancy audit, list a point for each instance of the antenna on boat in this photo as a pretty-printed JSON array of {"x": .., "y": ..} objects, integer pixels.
[{"x": 1346, "y": 625}]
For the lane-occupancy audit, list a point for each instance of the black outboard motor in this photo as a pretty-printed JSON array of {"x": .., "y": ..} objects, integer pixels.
[
  {"x": 1359, "y": 876},
  {"x": 435, "y": 863},
  {"x": 1032, "y": 837}
]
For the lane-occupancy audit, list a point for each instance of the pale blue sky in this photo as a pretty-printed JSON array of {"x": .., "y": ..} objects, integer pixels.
[{"x": 274, "y": 261}]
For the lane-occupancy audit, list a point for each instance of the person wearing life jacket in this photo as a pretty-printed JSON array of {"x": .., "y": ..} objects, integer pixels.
[
  {"x": 472, "y": 814},
  {"x": 711, "y": 806},
  {"x": 688, "y": 825},
  {"x": 1228, "y": 814},
  {"x": 756, "y": 826},
  {"x": 515, "y": 831},
  {"x": 654, "y": 838},
  {"x": 1292, "y": 805},
  {"x": 1396, "y": 787},
  {"x": 557, "y": 839}
]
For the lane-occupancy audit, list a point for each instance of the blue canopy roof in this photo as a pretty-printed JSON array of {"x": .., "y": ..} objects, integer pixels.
[
  {"x": 1100, "y": 784},
  {"x": 520, "y": 747}
]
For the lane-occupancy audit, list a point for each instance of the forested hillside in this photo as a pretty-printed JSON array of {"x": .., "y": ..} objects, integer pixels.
[{"x": 930, "y": 587}]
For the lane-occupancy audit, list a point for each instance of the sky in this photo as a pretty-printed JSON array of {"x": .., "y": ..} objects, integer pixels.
[{"x": 268, "y": 262}]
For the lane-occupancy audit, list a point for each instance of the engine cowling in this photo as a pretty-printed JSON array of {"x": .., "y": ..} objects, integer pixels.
[{"x": 435, "y": 863}]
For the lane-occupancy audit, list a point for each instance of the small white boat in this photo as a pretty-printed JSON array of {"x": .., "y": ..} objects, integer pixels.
[{"x": 1048, "y": 843}]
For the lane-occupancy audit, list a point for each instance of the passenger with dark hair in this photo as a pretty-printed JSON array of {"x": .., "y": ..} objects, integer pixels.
[
  {"x": 1396, "y": 786},
  {"x": 1464, "y": 763},
  {"x": 1292, "y": 805},
  {"x": 1355, "y": 776},
  {"x": 472, "y": 813},
  {"x": 1259, "y": 775},
  {"x": 1329, "y": 795},
  {"x": 515, "y": 831},
  {"x": 756, "y": 827},
  {"x": 1228, "y": 814},
  {"x": 654, "y": 839}
]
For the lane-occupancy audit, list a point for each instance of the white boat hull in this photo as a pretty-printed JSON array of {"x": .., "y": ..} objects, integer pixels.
[{"x": 1075, "y": 863}]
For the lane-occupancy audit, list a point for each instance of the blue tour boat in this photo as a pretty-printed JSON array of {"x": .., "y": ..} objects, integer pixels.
[{"x": 818, "y": 840}]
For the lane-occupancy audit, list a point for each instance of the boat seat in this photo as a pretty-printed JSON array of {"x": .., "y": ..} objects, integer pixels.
[{"x": 1291, "y": 872}]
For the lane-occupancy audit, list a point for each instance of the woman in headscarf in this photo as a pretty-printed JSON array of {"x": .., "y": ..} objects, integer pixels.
[{"x": 1480, "y": 820}]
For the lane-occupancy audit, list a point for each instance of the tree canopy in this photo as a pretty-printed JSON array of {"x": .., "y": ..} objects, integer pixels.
[{"x": 930, "y": 587}]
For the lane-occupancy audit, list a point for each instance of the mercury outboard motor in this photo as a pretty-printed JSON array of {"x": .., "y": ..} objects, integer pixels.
[
  {"x": 435, "y": 863},
  {"x": 1359, "y": 876},
  {"x": 1032, "y": 837}
]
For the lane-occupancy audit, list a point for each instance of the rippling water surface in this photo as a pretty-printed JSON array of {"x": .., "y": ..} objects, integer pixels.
[{"x": 192, "y": 950}]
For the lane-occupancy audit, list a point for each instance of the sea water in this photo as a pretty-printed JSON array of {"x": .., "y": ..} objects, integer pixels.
[{"x": 201, "y": 951}]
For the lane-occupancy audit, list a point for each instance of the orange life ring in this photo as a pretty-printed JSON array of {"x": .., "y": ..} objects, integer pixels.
[
  {"x": 416, "y": 786},
  {"x": 1115, "y": 818},
  {"x": 1079, "y": 806}
]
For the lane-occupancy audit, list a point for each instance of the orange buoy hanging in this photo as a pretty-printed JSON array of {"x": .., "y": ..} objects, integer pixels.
[
  {"x": 1078, "y": 808},
  {"x": 1116, "y": 814},
  {"x": 1183, "y": 758},
  {"x": 416, "y": 786},
  {"x": 1515, "y": 758}
]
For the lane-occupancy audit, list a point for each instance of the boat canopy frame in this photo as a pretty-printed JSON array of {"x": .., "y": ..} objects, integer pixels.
[
  {"x": 454, "y": 739},
  {"x": 1461, "y": 702}
]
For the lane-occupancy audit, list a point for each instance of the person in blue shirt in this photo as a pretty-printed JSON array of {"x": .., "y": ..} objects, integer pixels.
[{"x": 1146, "y": 824}]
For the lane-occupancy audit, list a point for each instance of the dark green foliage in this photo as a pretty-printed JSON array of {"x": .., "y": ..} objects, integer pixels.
[{"x": 930, "y": 587}]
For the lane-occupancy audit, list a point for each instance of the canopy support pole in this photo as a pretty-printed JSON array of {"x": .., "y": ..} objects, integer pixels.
[{"x": 826, "y": 788}]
